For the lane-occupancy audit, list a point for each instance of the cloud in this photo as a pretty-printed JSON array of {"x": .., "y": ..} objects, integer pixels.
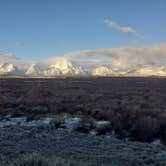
[
  {"x": 6, "y": 56},
  {"x": 126, "y": 57},
  {"x": 123, "y": 29},
  {"x": 122, "y": 58}
]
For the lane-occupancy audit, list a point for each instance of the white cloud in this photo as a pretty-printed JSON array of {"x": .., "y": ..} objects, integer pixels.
[
  {"x": 123, "y": 29},
  {"x": 11, "y": 58},
  {"x": 150, "y": 58},
  {"x": 126, "y": 57},
  {"x": 4, "y": 56}
]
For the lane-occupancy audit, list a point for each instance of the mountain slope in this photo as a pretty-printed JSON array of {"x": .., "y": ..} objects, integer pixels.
[
  {"x": 8, "y": 68},
  {"x": 151, "y": 71},
  {"x": 52, "y": 71},
  {"x": 33, "y": 70},
  {"x": 63, "y": 66},
  {"x": 102, "y": 71}
]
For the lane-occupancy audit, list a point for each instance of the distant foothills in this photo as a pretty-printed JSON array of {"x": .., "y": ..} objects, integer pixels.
[{"x": 65, "y": 67}]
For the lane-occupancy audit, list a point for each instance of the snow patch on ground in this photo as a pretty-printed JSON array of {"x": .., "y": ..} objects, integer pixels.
[
  {"x": 71, "y": 123},
  {"x": 22, "y": 121},
  {"x": 102, "y": 123}
]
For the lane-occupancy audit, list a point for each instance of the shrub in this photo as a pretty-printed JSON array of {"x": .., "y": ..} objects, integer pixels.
[
  {"x": 104, "y": 128},
  {"x": 85, "y": 125},
  {"x": 37, "y": 160},
  {"x": 100, "y": 114},
  {"x": 32, "y": 160},
  {"x": 145, "y": 129},
  {"x": 162, "y": 121},
  {"x": 17, "y": 113},
  {"x": 58, "y": 122}
]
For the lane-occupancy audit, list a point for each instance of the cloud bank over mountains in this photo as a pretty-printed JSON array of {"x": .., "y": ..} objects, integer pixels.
[
  {"x": 127, "y": 57},
  {"x": 127, "y": 61}
]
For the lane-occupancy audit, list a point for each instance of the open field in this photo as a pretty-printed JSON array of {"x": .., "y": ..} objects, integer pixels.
[{"x": 118, "y": 119}]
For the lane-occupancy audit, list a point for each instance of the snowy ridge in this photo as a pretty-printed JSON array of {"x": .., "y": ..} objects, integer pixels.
[
  {"x": 151, "y": 71},
  {"x": 65, "y": 67},
  {"x": 102, "y": 71},
  {"x": 33, "y": 70},
  {"x": 7, "y": 68}
]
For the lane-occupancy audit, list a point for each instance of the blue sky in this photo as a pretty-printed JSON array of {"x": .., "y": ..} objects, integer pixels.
[{"x": 39, "y": 29}]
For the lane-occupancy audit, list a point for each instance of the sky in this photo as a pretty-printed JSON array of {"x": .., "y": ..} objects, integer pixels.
[{"x": 33, "y": 30}]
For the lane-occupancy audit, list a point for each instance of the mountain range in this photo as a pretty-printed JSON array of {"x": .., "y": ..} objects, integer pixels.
[{"x": 65, "y": 67}]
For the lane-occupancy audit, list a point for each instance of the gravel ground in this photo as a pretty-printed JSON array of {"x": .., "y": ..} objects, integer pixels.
[{"x": 88, "y": 149}]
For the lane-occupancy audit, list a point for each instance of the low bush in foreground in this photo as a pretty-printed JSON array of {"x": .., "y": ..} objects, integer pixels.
[
  {"x": 32, "y": 160},
  {"x": 38, "y": 160},
  {"x": 85, "y": 125}
]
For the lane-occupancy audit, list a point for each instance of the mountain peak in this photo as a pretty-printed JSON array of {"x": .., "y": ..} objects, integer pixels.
[
  {"x": 33, "y": 70},
  {"x": 149, "y": 70},
  {"x": 7, "y": 68},
  {"x": 102, "y": 71},
  {"x": 66, "y": 67}
]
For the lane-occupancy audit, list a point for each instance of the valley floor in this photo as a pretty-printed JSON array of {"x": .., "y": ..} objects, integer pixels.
[{"x": 131, "y": 108}]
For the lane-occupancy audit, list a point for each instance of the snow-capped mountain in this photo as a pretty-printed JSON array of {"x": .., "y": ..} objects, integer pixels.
[
  {"x": 1, "y": 64},
  {"x": 63, "y": 66},
  {"x": 33, "y": 70},
  {"x": 7, "y": 68},
  {"x": 52, "y": 71},
  {"x": 102, "y": 71},
  {"x": 151, "y": 71}
]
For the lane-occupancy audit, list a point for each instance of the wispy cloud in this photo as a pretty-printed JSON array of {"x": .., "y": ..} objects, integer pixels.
[
  {"x": 6, "y": 56},
  {"x": 123, "y": 29}
]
